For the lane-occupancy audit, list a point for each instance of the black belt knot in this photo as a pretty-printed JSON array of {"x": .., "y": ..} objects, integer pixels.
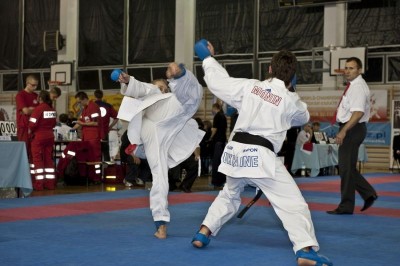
[{"x": 247, "y": 138}]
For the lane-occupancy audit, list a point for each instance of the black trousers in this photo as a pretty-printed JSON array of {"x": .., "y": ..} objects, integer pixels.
[
  {"x": 141, "y": 170},
  {"x": 351, "y": 179},
  {"x": 192, "y": 168},
  {"x": 217, "y": 178}
]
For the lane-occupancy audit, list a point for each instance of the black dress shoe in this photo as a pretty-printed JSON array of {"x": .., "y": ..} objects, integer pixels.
[
  {"x": 368, "y": 202},
  {"x": 185, "y": 189},
  {"x": 337, "y": 211}
]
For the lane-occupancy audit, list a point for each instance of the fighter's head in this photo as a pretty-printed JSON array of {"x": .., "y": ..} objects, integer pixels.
[
  {"x": 283, "y": 66},
  {"x": 162, "y": 84}
]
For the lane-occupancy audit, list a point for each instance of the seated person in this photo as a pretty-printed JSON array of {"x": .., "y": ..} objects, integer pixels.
[
  {"x": 191, "y": 166},
  {"x": 304, "y": 135},
  {"x": 62, "y": 128},
  {"x": 315, "y": 128},
  {"x": 138, "y": 169}
]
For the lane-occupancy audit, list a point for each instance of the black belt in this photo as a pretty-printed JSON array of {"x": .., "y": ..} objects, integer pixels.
[{"x": 247, "y": 138}]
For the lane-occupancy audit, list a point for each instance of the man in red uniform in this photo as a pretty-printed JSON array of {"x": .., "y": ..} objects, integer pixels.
[
  {"x": 90, "y": 121},
  {"x": 26, "y": 101},
  {"x": 41, "y": 124},
  {"x": 106, "y": 111}
]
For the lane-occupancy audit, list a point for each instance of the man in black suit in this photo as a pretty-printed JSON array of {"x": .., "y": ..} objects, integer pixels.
[{"x": 396, "y": 150}]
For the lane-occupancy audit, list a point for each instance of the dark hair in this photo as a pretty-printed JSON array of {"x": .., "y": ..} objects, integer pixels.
[
  {"x": 355, "y": 59},
  {"x": 217, "y": 105},
  {"x": 45, "y": 97},
  {"x": 98, "y": 94},
  {"x": 63, "y": 118},
  {"x": 316, "y": 124},
  {"x": 81, "y": 95},
  {"x": 283, "y": 66},
  {"x": 199, "y": 122},
  {"x": 56, "y": 91}
]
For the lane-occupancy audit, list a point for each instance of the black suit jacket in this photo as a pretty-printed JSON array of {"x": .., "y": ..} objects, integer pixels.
[{"x": 396, "y": 146}]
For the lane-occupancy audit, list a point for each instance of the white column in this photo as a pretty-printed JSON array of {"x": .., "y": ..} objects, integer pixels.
[
  {"x": 69, "y": 29},
  {"x": 335, "y": 20},
  {"x": 185, "y": 31}
]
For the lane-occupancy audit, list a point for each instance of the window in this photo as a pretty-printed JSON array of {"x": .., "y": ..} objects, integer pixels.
[
  {"x": 374, "y": 69},
  {"x": 240, "y": 70},
  {"x": 10, "y": 82},
  {"x": 142, "y": 74},
  {"x": 88, "y": 80},
  {"x": 393, "y": 69},
  {"x": 107, "y": 83}
]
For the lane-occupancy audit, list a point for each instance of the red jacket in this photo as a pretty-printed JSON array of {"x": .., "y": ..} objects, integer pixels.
[
  {"x": 42, "y": 121},
  {"x": 91, "y": 113},
  {"x": 24, "y": 99}
]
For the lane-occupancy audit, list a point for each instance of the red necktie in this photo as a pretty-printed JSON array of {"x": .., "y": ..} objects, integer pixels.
[{"x": 344, "y": 93}]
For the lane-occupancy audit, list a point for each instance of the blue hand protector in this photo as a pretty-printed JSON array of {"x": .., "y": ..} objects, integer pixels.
[
  {"x": 183, "y": 71},
  {"x": 201, "y": 49},
  {"x": 115, "y": 74}
]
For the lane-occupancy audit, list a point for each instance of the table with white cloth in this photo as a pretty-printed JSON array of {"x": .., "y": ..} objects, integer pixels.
[
  {"x": 14, "y": 167},
  {"x": 321, "y": 156}
]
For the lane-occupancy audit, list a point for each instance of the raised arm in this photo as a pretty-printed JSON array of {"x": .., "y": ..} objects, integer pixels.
[{"x": 135, "y": 88}]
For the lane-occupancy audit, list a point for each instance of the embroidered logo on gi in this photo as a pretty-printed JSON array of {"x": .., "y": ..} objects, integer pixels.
[
  {"x": 266, "y": 95},
  {"x": 49, "y": 114},
  {"x": 243, "y": 161},
  {"x": 250, "y": 150}
]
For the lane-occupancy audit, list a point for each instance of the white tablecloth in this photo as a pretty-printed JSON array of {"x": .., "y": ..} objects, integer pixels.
[
  {"x": 14, "y": 166},
  {"x": 322, "y": 155}
]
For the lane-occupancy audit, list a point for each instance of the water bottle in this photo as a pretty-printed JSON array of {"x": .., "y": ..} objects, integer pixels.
[
  {"x": 74, "y": 135},
  {"x": 303, "y": 169},
  {"x": 71, "y": 134}
]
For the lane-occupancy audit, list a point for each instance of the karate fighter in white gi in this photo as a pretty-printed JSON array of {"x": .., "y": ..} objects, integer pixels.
[
  {"x": 163, "y": 124},
  {"x": 267, "y": 109}
]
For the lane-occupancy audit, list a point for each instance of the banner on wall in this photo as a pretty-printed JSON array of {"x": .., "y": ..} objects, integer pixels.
[
  {"x": 8, "y": 113},
  {"x": 322, "y": 104},
  {"x": 378, "y": 134},
  {"x": 115, "y": 100}
]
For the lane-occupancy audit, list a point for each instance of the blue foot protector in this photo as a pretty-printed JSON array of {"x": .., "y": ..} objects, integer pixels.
[
  {"x": 205, "y": 240},
  {"x": 159, "y": 223},
  {"x": 314, "y": 256}
]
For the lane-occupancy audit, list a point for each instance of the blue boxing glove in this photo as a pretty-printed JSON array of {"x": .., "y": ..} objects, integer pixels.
[
  {"x": 115, "y": 74},
  {"x": 201, "y": 49},
  {"x": 183, "y": 71}
]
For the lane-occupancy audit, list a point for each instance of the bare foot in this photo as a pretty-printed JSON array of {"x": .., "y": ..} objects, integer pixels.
[
  {"x": 197, "y": 244},
  {"x": 305, "y": 262},
  {"x": 161, "y": 232}
]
